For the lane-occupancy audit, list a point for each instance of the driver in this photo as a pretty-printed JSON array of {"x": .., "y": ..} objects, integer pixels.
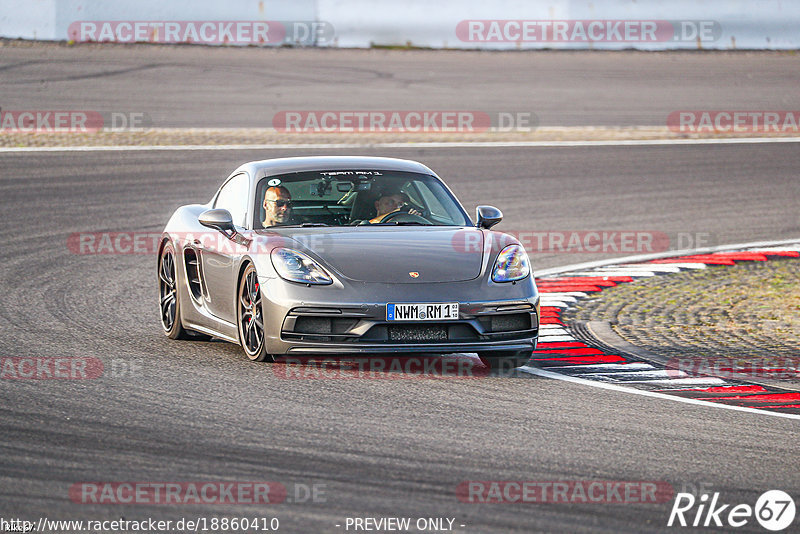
[
  {"x": 390, "y": 202},
  {"x": 277, "y": 206}
]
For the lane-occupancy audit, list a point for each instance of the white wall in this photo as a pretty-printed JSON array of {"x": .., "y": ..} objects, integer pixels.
[
  {"x": 751, "y": 23},
  {"x": 34, "y": 19},
  {"x": 755, "y": 24},
  {"x": 49, "y": 19}
]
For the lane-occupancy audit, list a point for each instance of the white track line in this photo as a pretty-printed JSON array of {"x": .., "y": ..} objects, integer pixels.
[
  {"x": 690, "y": 382},
  {"x": 604, "y": 367},
  {"x": 632, "y": 376},
  {"x": 553, "y": 330},
  {"x": 454, "y": 144},
  {"x": 615, "y": 387},
  {"x": 683, "y": 389},
  {"x": 554, "y": 304},
  {"x": 792, "y": 244},
  {"x": 558, "y": 297},
  {"x": 649, "y": 267},
  {"x": 556, "y": 339},
  {"x": 604, "y": 273},
  {"x": 776, "y": 249},
  {"x": 684, "y": 265},
  {"x": 578, "y": 294}
]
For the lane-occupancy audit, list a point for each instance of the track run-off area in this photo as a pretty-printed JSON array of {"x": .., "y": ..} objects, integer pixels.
[{"x": 166, "y": 411}]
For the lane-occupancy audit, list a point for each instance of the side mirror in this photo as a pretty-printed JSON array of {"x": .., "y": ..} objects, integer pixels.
[
  {"x": 218, "y": 219},
  {"x": 488, "y": 216}
]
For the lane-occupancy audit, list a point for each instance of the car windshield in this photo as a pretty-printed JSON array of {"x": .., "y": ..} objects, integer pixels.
[{"x": 357, "y": 197}]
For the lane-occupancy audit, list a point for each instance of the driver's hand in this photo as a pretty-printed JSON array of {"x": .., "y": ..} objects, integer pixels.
[{"x": 406, "y": 207}]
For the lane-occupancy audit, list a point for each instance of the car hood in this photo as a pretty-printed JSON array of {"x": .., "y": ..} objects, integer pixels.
[{"x": 394, "y": 255}]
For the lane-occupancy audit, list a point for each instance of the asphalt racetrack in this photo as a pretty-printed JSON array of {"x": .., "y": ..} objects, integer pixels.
[
  {"x": 174, "y": 411},
  {"x": 187, "y": 86}
]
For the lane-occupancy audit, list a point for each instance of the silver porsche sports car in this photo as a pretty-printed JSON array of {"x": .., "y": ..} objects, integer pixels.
[{"x": 346, "y": 255}]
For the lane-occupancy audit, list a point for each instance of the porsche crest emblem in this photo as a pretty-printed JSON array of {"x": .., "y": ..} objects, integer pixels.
[{"x": 413, "y": 274}]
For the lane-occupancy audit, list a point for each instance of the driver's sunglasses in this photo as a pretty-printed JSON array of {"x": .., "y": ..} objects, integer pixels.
[{"x": 282, "y": 203}]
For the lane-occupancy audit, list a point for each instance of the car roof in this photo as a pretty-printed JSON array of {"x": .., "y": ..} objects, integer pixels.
[{"x": 271, "y": 167}]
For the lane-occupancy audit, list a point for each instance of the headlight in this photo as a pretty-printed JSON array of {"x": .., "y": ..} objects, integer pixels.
[
  {"x": 297, "y": 267},
  {"x": 511, "y": 264}
]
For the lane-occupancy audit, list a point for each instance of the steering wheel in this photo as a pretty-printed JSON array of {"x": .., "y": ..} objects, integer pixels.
[
  {"x": 407, "y": 207},
  {"x": 407, "y": 217}
]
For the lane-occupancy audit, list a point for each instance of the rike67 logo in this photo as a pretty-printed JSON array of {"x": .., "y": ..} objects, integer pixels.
[{"x": 774, "y": 510}]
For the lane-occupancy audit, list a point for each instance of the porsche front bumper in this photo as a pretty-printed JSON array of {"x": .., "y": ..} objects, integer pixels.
[{"x": 351, "y": 320}]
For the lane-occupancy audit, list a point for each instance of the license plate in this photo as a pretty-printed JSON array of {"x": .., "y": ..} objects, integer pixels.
[{"x": 447, "y": 311}]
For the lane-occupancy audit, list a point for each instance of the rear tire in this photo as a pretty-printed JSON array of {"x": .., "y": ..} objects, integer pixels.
[
  {"x": 250, "y": 317},
  {"x": 504, "y": 363}
]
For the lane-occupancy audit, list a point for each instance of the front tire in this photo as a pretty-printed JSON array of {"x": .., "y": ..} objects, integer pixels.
[
  {"x": 170, "y": 305},
  {"x": 250, "y": 317}
]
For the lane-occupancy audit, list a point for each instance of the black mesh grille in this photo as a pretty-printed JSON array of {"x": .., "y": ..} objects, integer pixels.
[
  {"x": 323, "y": 325},
  {"x": 417, "y": 333},
  {"x": 313, "y": 325},
  {"x": 510, "y": 322}
]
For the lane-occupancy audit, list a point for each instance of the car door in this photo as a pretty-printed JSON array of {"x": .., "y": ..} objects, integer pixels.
[{"x": 218, "y": 253}]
